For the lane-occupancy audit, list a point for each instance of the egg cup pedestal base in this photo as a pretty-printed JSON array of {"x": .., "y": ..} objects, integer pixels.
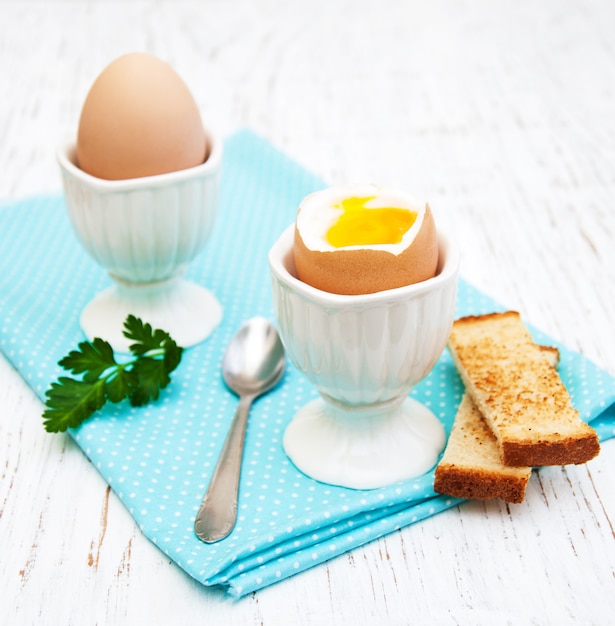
[
  {"x": 187, "y": 311},
  {"x": 364, "y": 447}
]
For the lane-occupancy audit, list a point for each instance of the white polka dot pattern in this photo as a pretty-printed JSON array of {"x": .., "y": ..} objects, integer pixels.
[{"x": 159, "y": 459}]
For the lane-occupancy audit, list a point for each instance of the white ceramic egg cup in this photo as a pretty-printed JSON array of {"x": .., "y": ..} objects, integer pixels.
[
  {"x": 364, "y": 353},
  {"x": 145, "y": 232}
]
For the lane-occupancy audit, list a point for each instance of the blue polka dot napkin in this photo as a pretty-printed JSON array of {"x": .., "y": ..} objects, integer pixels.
[{"x": 159, "y": 459}]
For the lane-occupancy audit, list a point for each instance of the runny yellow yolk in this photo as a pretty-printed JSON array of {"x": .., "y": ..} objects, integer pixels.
[{"x": 359, "y": 225}]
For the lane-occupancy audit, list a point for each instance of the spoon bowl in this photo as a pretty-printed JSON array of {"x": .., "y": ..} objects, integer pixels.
[
  {"x": 253, "y": 364},
  {"x": 254, "y": 360}
]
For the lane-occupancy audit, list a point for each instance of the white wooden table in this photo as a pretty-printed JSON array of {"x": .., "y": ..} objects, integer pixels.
[{"x": 502, "y": 114}]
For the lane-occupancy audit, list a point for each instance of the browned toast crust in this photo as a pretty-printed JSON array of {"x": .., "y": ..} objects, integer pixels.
[
  {"x": 458, "y": 482},
  {"x": 572, "y": 450}
]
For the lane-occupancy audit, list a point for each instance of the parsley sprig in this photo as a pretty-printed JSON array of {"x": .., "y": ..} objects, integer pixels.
[{"x": 71, "y": 401}]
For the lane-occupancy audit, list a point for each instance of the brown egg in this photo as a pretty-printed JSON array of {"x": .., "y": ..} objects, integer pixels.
[
  {"x": 364, "y": 239},
  {"x": 139, "y": 119}
]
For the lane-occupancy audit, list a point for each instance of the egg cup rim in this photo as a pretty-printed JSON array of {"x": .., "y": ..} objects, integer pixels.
[
  {"x": 66, "y": 157},
  {"x": 283, "y": 247}
]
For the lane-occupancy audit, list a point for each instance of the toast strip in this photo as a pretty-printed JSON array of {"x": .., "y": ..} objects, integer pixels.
[
  {"x": 471, "y": 466},
  {"x": 518, "y": 392}
]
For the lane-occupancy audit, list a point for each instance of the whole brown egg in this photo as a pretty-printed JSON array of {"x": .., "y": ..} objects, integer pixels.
[{"x": 139, "y": 119}]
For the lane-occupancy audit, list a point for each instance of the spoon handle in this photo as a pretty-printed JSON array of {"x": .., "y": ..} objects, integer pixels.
[{"x": 218, "y": 513}]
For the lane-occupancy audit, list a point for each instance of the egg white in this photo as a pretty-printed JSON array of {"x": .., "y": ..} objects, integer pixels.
[{"x": 317, "y": 213}]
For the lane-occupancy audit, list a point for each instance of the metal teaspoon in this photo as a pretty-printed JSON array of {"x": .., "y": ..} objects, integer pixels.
[{"x": 253, "y": 363}]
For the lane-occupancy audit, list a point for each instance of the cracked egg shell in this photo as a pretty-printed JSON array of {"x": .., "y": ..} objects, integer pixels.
[{"x": 362, "y": 239}]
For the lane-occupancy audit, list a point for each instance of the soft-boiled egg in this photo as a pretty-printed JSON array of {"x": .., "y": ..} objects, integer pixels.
[
  {"x": 139, "y": 119},
  {"x": 363, "y": 239}
]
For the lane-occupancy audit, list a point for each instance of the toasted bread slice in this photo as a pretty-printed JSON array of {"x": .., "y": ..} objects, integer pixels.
[
  {"x": 518, "y": 392},
  {"x": 471, "y": 466}
]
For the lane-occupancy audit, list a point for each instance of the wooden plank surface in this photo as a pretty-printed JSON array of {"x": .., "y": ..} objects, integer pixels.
[{"x": 502, "y": 114}]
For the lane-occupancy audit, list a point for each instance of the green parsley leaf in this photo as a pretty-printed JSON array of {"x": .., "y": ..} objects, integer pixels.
[
  {"x": 146, "y": 339},
  {"x": 92, "y": 358},
  {"x": 120, "y": 385},
  {"x": 69, "y": 401},
  {"x": 152, "y": 376}
]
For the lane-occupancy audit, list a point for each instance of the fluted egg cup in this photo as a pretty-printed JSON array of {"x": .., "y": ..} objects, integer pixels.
[
  {"x": 145, "y": 232},
  {"x": 364, "y": 353}
]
